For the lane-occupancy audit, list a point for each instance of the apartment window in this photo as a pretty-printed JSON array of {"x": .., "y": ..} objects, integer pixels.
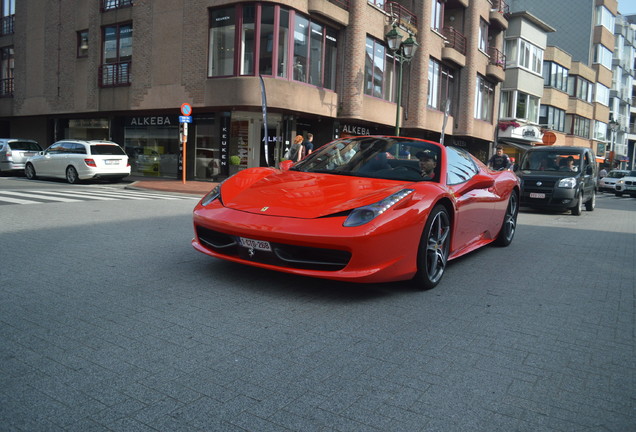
[
  {"x": 437, "y": 14},
  {"x": 603, "y": 56},
  {"x": 555, "y": 76},
  {"x": 6, "y": 71},
  {"x": 600, "y": 131},
  {"x": 552, "y": 118},
  {"x": 379, "y": 71},
  {"x": 378, "y": 3},
  {"x": 262, "y": 34},
  {"x": 116, "y": 55},
  {"x": 115, "y": 4},
  {"x": 441, "y": 85},
  {"x": 484, "y": 99},
  {"x": 580, "y": 88},
  {"x": 82, "y": 43},
  {"x": 605, "y": 18},
  {"x": 522, "y": 53},
  {"x": 483, "y": 35},
  {"x": 577, "y": 125},
  {"x": 602, "y": 94},
  {"x": 519, "y": 105},
  {"x": 8, "y": 17}
]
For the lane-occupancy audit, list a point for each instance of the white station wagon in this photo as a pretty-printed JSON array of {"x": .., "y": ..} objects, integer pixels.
[{"x": 77, "y": 160}]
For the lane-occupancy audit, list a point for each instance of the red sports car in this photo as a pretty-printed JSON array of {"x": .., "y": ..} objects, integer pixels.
[{"x": 362, "y": 209}]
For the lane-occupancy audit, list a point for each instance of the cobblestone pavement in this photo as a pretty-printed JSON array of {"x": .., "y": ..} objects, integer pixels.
[{"x": 110, "y": 321}]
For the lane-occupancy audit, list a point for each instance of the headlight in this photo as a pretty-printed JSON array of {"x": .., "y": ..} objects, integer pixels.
[
  {"x": 567, "y": 183},
  {"x": 365, "y": 214},
  {"x": 620, "y": 182},
  {"x": 212, "y": 195}
]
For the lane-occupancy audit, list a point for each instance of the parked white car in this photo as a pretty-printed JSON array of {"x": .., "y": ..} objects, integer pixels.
[
  {"x": 77, "y": 160},
  {"x": 626, "y": 185},
  {"x": 608, "y": 183}
]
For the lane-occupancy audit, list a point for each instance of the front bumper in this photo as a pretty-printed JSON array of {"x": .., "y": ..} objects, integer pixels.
[
  {"x": 557, "y": 198},
  {"x": 320, "y": 247}
]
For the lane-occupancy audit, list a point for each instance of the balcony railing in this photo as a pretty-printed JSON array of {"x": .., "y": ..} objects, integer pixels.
[
  {"x": 114, "y": 74},
  {"x": 6, "y": 87},
  {"x": 497, "y": 58},
  {"x": 115, "y": 4},
  {"x": 341, "y": 3},
  {"x": 454, "y": 39},
  {"x": 402, "y": 16},
  {"x": 501, "y": 6},
  {"x": 7, "y": 25}
]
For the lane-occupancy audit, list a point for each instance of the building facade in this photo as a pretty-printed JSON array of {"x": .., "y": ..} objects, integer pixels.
[
  {"x": 579, "y": 63},
  {"x": 122, "y": 70}
]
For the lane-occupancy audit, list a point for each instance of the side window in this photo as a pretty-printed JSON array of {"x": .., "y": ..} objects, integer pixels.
[
  {"x": 79, "y": 149},
  {"x": 55, "y": 148},
  {"x": 461, "y": 167}
]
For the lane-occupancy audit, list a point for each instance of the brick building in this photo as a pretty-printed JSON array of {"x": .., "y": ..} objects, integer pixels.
[{"x": 121, "y": 70}]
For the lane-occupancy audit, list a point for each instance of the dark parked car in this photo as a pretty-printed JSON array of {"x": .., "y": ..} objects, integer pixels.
[{"x": 558, "y": 178}]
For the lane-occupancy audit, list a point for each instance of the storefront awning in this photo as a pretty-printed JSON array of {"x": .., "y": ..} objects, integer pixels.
[{"x": 521, "y": 146}]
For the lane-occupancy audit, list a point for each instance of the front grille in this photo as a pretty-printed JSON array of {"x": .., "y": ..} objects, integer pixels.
[
  {"x": 547, "y": 185},
  {"x": 282, "y": 255}
]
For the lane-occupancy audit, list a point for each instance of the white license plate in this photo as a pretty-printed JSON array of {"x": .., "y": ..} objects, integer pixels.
[
  {"x": 537, "y": 195},
  {"x": 255, "y": 244},
  {"x": 111, "y": 161}
]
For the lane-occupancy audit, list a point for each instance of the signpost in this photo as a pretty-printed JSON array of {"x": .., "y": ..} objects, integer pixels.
[{"x": 186, "y": 110}]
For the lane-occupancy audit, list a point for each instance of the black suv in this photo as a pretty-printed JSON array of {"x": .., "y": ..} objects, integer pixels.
[{"x": 558, "y": 178}]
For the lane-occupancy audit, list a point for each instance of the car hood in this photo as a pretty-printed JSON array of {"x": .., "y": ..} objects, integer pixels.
[{"x": 271, "y": 192}]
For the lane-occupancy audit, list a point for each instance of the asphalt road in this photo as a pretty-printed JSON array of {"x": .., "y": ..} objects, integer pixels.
[{"x": 110, "y": 321}]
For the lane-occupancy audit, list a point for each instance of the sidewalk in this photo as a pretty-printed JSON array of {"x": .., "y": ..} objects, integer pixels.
[{"x": 168, "y": 185}]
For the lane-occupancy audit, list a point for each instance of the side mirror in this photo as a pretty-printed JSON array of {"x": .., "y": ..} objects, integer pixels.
[
  {"x": 285, "y": 165},
  {"x": 589, "y": 170},
  {"x": 480, "y": 181}
]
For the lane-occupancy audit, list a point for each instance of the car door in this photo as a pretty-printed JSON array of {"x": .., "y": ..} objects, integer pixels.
[
  {"x": 46, "y": 164},
  {"x": 475, "y": 204},
  {"x": 588, "y": 176}
]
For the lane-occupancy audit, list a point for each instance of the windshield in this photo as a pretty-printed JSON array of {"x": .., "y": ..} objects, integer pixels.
[
  {"x": 552, "y": 161},
  {"x": 392, "y": 158},
  {"x": 617, "y": 174}
]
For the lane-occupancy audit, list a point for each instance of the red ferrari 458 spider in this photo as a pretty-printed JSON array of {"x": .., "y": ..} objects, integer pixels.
[{"x": 361, "y": 209}]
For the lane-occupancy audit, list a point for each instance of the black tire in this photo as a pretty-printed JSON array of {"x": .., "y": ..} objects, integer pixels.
[
  {"x": 618, "y": 194},
  {"x": 578, "y": 209},
  {"x": 29, "y": 172},
  {"x": 71, "y": 175},
  {"x": 590, "y": 205},
  {"x": 509, "y": 225},
  {"x": 434, "y": 246}
]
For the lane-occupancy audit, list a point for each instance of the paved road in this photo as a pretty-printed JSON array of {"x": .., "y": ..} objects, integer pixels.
[{"x": 110, "y": 321}]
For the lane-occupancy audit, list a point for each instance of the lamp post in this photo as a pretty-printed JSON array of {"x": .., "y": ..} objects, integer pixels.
[
  {"x": 403, "y": 53},
  {"x": 614, "y": 125}
]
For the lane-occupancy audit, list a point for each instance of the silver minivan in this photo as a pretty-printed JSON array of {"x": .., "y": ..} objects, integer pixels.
[{"x": 15, "y": 151}]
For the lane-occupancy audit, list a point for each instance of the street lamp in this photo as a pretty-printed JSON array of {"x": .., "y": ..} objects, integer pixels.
[
  {"x": 614, "y": 125},
  {"x": 403, "y": 52}
]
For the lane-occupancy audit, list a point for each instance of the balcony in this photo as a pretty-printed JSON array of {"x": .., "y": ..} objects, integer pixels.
[
  {"x": 107, "y": 5},
  {"x": 6, "y": 88},
  {"x": 500, "y": 13},
  {"x": 114, "y": 74},
  {"x": 454, "y": 46},
  {"x": 7, "y": 25},
  {"x": 496, "y": 64},
  {"x": 401, "y": 16},
  {"x": 336, "y": 10}
]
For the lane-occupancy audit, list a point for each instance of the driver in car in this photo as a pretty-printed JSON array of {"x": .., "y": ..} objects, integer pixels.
[{"x": 428, "y": 163}]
